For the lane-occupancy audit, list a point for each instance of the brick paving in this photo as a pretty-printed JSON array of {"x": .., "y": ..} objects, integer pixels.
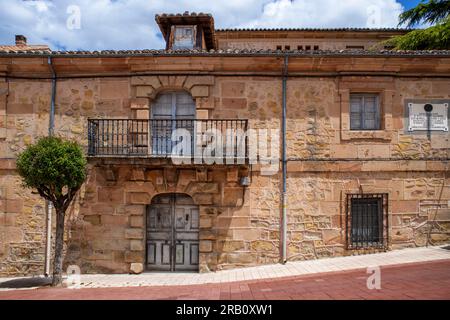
[
  {"x": 421, "y": 280},
  {"x": 296, "y": 268}
]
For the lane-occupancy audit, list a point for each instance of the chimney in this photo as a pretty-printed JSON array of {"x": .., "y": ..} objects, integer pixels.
[{"x": 21, "y": 40}]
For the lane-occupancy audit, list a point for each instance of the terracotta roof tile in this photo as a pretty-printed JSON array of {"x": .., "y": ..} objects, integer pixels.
[
  {"x": 315, "y": 29},
  {"x": 16, "y": 48},
  {"x": 228, "y": 52}
]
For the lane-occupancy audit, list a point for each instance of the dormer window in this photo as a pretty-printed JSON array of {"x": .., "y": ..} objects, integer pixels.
[
  {"x": 187, "y": 31},
  {"x": 184, "y": 37}
]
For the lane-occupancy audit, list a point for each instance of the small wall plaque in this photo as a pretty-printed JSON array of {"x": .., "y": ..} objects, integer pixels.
[{"x": 419, "y": 113}]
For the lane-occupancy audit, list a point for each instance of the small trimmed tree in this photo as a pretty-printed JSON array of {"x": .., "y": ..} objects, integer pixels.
[{"x": 57, "y": 169}]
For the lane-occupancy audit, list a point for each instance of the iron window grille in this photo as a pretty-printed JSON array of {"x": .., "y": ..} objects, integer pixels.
[{"x": 367, "y": 220}]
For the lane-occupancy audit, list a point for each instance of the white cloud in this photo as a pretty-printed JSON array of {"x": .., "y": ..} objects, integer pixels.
[
  {"x": 129, "y": 24},
  {"x": 328, "y": 13}
]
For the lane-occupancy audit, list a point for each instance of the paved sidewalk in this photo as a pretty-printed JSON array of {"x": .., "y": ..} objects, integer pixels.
[
  {"x": 422, "y": 280},
  {"x": 298, "y": 268}
]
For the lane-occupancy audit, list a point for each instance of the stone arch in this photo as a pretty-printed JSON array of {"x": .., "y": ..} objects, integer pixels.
[{"x": 146, "y": 88}]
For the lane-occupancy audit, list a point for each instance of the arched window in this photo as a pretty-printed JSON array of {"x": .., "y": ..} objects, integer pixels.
[
  {"x": 173, "y": 105},
  {"x": 171, "y": 111}
]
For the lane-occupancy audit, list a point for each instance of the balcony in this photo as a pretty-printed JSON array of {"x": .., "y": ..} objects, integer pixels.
[{"x": 223, "y": 139}]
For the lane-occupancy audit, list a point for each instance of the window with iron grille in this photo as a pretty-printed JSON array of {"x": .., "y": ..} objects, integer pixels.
[
  {"x": 367, "y": 220},
  {"x": 364, "y": 111}
]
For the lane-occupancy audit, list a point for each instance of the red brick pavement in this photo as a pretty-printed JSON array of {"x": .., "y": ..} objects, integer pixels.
[{"x": 428, "y": 280}]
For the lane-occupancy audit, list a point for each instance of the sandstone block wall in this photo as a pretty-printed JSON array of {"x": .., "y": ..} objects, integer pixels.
[{"x": 106, "y": 224}]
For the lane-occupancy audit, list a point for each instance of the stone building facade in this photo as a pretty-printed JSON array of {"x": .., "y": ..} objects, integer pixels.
[{"x": 140, "y": 210}]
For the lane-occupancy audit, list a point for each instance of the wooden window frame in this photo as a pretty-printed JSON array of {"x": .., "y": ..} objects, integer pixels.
[
  {"x": 386, "y": 97},
  {"x": 363, "y": 96},
  {"x": 194, "y": 36}
]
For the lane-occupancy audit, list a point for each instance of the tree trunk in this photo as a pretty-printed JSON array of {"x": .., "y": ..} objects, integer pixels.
[{"x": 59, "y": 244}]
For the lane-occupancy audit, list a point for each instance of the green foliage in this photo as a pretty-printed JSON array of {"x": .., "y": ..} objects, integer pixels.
[
  {"x": 55, "y": 167},
  {"x": 432, "y": 12},
  {"x": 433, "y": 38}
]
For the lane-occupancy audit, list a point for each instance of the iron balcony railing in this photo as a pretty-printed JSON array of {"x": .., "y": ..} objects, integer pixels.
[{"x": 163, "y": 138}]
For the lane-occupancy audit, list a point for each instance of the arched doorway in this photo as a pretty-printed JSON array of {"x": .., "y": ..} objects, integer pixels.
[{"x": 172, "y": 233}]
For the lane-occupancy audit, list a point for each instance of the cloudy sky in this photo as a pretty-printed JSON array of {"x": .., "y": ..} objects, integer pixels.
[{"x": 129, "y": 24}]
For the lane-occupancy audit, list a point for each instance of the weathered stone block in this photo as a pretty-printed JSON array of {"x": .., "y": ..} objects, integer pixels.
[
  {"x": 146, "y": 81},
  {"x": 134, "y": 256},
  {"x": 233, "y": 89},
  {"x": 331, "y": 236},
  {"x": 113, "y": 89},
  {"x": 245, "y": 234},
  {"x": 205, "y": 246},
  {"x": 144, "y": 91},
  {"x": 140, "y": 103},
  {"x": 20, "y": 108},
  {"x": 203, "y": 187},
  {"x": 92, "y": 219},
  {"x": 137, "y": 221},
  {"x": 203, "y": 198},
  {"x": 205, "y": 222},
  {"x": 202, "y": 114},
  {"x": 137, "y": 175},
  {"x": 114, "y": 220},
  {"x": 142, "y": 114},
  {"x": 110, "y": 194},
  {"x": 136, "y": 268},
  {"x": 232, "y": 175},
  {"x": 404, "y": 206},
  {"x": 234, "y": 103},
  {"x": 134, "y": 233},
  {"x": 134, "y": 209},
  {"x": 136, "y": 245},
  {"x": 198, "y": 80},
  {"x": 14, "y": 205},
  {"x": 262, "y": 245},
  {"x": 138, "y": 198},
  {"x": 200, "y": 91},
  {"x": 230, "y": 246}
]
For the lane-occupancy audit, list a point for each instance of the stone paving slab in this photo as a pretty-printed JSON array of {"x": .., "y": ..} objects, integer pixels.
[{"x": 297, "y": 268}]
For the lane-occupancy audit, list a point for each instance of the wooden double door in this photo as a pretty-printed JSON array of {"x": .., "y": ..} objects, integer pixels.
[{"x": 172, "y": 233}]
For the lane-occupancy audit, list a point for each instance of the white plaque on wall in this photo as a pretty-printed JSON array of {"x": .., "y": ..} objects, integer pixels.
[{"x": 418, "y": 117}]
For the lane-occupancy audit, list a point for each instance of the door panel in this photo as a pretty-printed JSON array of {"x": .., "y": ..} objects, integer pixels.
[
  {"x": 172, "y": 234},
  {"x": 159, "y": 236}
]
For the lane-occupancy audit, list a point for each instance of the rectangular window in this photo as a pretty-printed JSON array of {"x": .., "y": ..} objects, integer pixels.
[
  {"x": 279, "y": 47},
  {"x": 287, "y": 47},
  {"x": 364, "y": 112},
  {"x": 367, "y": 220},
  {"x": 184, "y": 37},
  {"x": 307, "y": 48},
  {"x": 299, "y": 48},
  {"x": 316, "y": 48}
]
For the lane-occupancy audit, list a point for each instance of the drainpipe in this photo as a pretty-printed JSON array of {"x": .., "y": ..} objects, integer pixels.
[
  {"x": 284, "y": 165},
  {"x": 48, "y": 219}
]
